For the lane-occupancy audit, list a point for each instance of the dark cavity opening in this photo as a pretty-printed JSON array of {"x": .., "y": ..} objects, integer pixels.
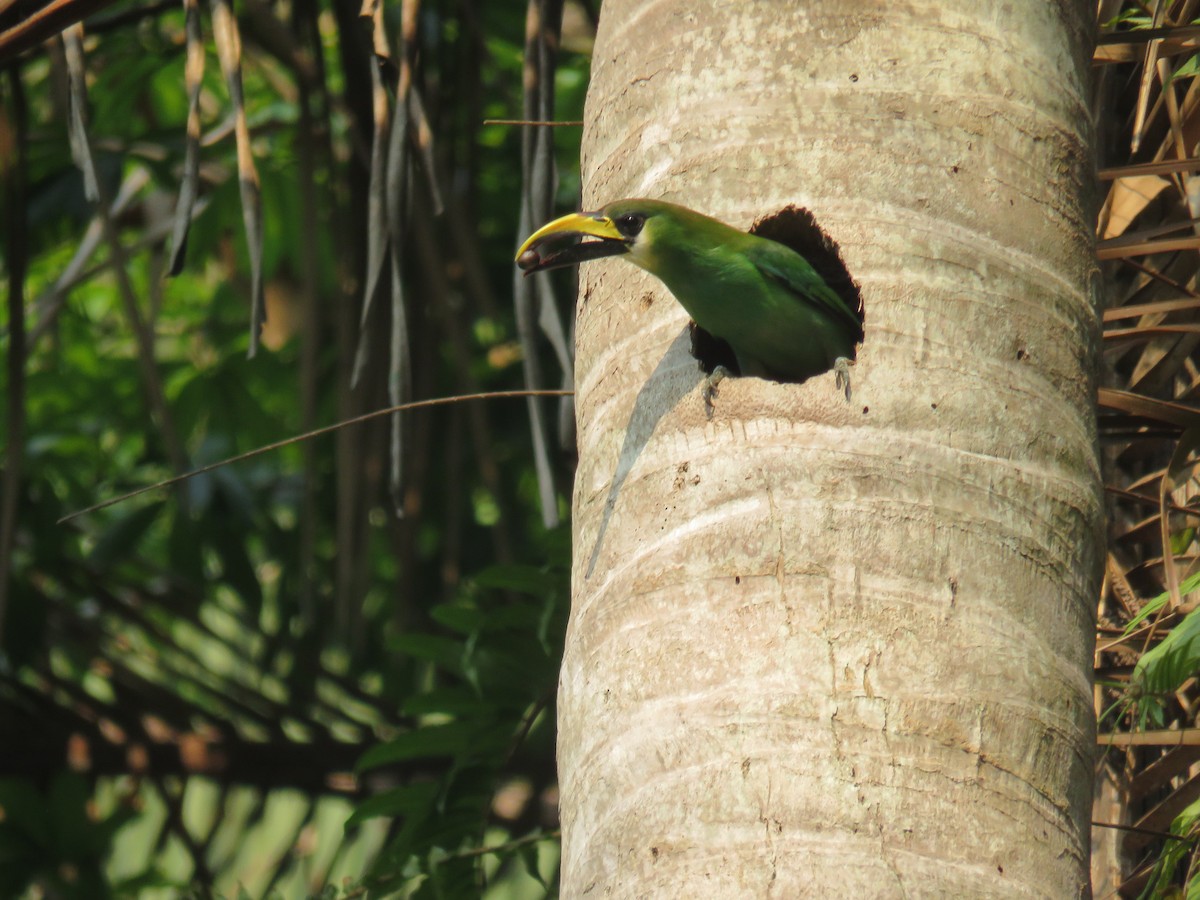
[{"x": 794, "y": 227}]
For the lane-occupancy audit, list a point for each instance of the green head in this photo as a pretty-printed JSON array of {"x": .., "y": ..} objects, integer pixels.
[{"x": 630, "y": 228}]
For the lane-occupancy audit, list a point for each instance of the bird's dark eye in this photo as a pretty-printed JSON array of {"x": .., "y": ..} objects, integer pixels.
[{"x": 629, "y": 225}]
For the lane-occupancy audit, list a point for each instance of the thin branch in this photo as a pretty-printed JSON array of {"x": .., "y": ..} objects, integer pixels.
[
  {"x": 1184, "y": 737},
  {"x": 44, "y": 24},
  {"x": 508, "y": 847},
  {"x": 1147, "y": 500},
  {"x": 540, "y": 123},
  {"x": 1166, "y": 835},
  {"x": 309, "y": 435}
]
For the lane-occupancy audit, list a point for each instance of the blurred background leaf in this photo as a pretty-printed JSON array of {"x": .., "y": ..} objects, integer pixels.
[{"x": 264, "y": 682}]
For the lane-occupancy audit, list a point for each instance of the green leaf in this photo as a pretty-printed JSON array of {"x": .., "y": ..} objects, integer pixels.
[
  {"x": 1162, "y": 669},
  {"x": 1186, "y": 820},
  {"x": 451, "y": 878},
  {"x": 1134, "y": 16},
  {"x": 1173, "y": 853},
  {"x": 529, "y": 856},
  {"x": 523, "y": 579},
  {"x": 1187, "y": 70},
  {"x": 460, "y": 617},
  {"x": 421, "y": 743},
  {"x": 521, "y": 616},
  {"x": 453, "y": 701},
  {"x": 446, "y": 653},
  {"x": 1186, "y": 587},
  {"x": 1182, "y": 539},
  {"x": 410, "y": 800}
]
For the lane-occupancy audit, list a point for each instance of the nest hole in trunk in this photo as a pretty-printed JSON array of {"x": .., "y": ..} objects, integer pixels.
[{"x": 795, "y": 227}]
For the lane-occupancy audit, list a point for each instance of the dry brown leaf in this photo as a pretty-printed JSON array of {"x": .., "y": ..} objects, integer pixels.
[{"x": 1126, "y": 200}]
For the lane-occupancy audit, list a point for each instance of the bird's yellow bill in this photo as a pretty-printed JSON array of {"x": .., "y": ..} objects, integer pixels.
[{"x": 585, "y": 224}]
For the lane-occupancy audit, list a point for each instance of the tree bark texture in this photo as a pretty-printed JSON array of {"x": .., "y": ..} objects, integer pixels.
[{"x": 820, "y": 648}]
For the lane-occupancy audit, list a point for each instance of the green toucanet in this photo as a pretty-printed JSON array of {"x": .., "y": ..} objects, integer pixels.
[{"x": 779, "y": 316}]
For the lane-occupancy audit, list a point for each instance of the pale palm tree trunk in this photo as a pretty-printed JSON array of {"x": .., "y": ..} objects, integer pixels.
[{"x": 832, "y": 649}]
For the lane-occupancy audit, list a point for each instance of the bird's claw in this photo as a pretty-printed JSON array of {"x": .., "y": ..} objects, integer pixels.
[
  {"x": 841, "y": 369},
  {"x": 709, "y": 391}
]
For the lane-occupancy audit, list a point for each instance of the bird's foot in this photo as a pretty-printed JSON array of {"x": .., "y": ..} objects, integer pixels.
[
  {"x": 709, "y": 391},
  {"x": 841, "y": 369}
]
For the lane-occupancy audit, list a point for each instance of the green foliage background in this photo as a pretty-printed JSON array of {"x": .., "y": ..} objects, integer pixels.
[{"x": 277, "y": 612}]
